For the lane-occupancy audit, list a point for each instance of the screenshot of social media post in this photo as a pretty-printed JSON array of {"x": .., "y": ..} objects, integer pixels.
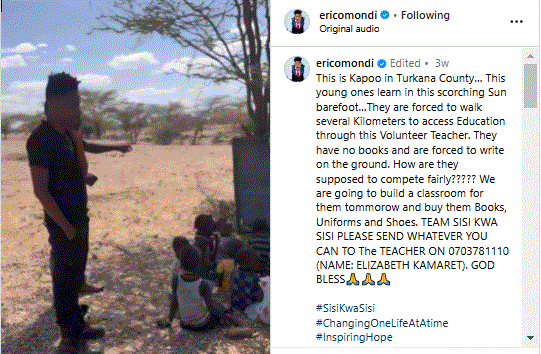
[
  {"x": 405, "y": 177},
  {"x": 135, "y": 176},
  {"x": 148, "y": 148}
]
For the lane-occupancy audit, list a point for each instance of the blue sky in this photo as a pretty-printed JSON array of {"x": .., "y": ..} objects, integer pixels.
[{"x": 40, "y": 37}]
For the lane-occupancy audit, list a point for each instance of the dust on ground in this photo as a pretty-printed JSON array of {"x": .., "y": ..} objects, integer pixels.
[{"x": 140, "y": 202}]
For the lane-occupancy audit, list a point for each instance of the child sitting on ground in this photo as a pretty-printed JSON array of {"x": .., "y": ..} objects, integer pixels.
[
  {"x": 260, "y": 311},
  {"x": 245, "y": 289},
  {"x": 260, "y": 241},
  {"x": 225, "y": 232},
  {"x": 178, "y": 243},
  {"x": 227, "y": 264},
  {"x": 192, "y": 297},
  {"x": 205, "y": 241}
]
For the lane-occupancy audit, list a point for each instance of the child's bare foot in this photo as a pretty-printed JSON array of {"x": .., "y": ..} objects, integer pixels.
[
  {"x": 226, "y": 321},
  {"x": 240, "y": 332},
  {"x": 90, "y": 289},
  {"x": 229, "y": 321}
]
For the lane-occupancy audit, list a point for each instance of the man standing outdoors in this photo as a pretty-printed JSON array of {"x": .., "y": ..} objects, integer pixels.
[{"x": 59, "y": 185}]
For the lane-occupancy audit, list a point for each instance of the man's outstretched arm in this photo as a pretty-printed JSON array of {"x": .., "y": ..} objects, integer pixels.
[
  {"x": 79, "y": 144},
  {"x": 100, "y": 148}
]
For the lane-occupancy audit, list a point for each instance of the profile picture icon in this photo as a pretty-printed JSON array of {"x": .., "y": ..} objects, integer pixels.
[
  {"x": 297, "y": 69},
  {"x": 297, "y": 21}
]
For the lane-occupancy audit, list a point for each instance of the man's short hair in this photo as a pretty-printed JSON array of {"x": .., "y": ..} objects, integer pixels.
[
  {"x": 60, "y": 84},
  {"x": 298, "y": 59},
  {"x": 297, "y": 12}
]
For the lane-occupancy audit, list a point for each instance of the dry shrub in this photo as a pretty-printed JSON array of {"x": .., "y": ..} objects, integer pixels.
[
  {"x": 16, "y": 156},
  {"x": 167, "y": 130},
  {"x": 218, "y": 208}
]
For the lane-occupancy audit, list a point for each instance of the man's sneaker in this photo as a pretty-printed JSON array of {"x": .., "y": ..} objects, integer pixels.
[
  {"x": 79, "y": 346},
  {"x": 93, "y": 332},
  {"x": 66, "y": 347},
  {"x": 84, "y": 309}
]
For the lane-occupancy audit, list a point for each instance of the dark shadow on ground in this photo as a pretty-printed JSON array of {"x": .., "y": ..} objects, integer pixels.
[
  {"x": 39, "y": 337},
  {"x": 137, "y": 288}
]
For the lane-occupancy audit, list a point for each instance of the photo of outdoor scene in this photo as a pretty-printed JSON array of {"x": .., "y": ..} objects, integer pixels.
[{"x": 174, "y": 115}]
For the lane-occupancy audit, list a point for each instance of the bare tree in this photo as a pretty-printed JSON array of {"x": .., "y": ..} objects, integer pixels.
[
  {"x": 20, "y": 122},
  {"x": 232, "y": 35},
  {"x": 170, "y": 122},
  {"x": 209, "y": 106},
  {"x": 133, "y": 117},
  {"x": 6, "y": 127},
  {"x": 97, "y": 107}
]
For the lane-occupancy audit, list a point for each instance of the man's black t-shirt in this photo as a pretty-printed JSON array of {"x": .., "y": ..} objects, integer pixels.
[{"x": 56, "y": 152}]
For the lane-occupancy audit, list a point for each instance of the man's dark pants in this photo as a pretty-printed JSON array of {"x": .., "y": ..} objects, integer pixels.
[{"x": 68, "y": 262}]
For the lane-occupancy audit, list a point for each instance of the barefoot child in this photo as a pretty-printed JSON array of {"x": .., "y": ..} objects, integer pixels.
[
  {"x": 245, "y": 289},
  {"x": 260, "y": 241},
  {"x": 227, "y": 265},
  {"x": 225, "y": 232},
  {"x": 206, "y": 243},
  {"x": 192, "y": 300},
  {"x": 178, "y": 243}
]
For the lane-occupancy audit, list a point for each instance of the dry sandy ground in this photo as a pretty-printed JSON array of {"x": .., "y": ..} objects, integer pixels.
[{"x": 141, "y": 200}]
